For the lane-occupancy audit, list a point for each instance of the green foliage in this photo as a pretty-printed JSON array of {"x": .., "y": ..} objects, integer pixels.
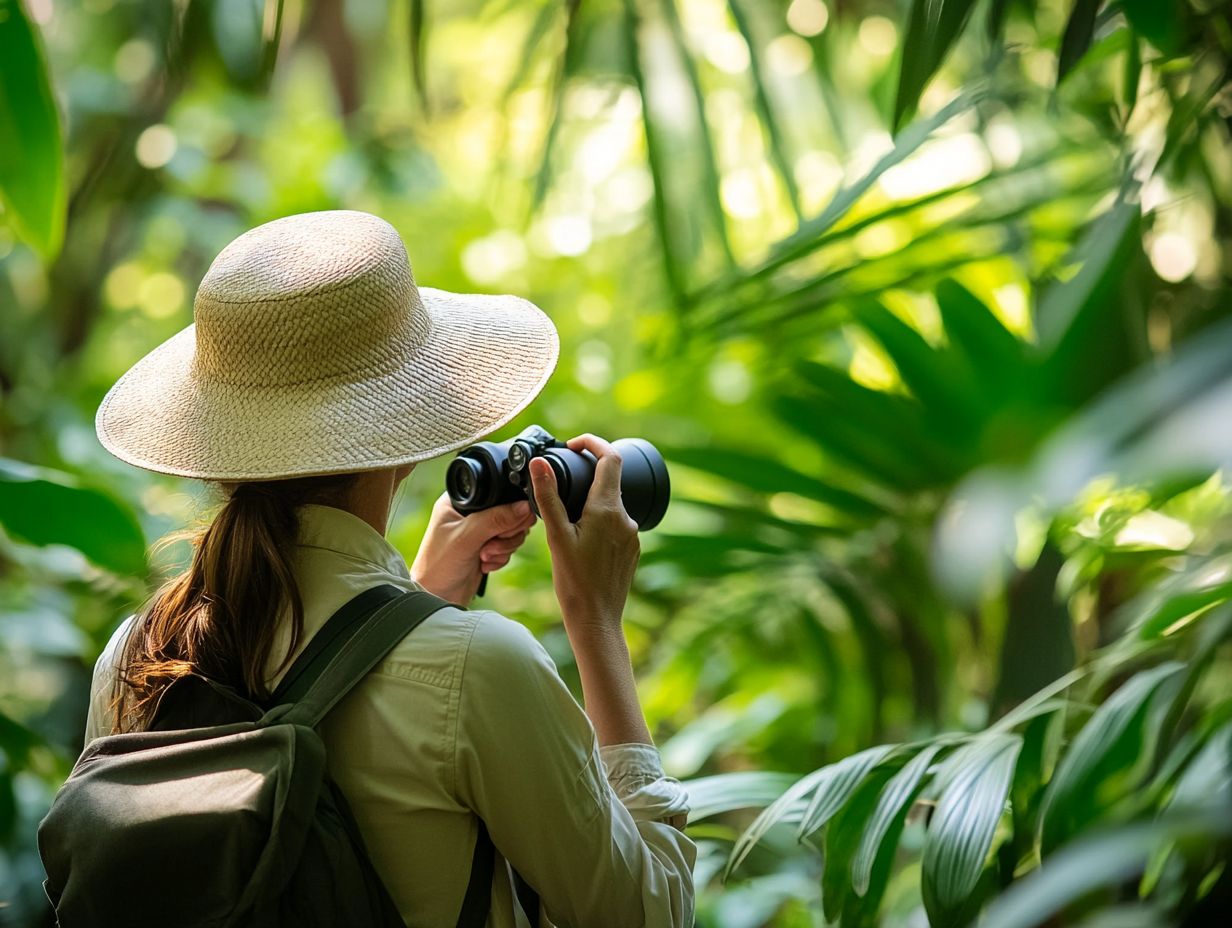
[
  {"x": 1100, "y": 860},
  {"x": 1097, "y": 780},
  {"x": 1118, "y": 738},
  {"x": 1078, "y": 34},
  {"x": 892, "y": 804},
  {"x": 43, "y": 507},
  {"x": 932, "y": 28},
  {"x": 929, "y": 320},
  {"x": 842, "y": 839},
  {"x": 975, "y": 784},
  {"x": 32, "y": 186},
  {"x": 727, "y": 792}
]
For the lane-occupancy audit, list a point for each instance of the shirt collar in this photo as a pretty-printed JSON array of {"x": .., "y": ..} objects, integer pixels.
[{"x": 346, "y": 533}]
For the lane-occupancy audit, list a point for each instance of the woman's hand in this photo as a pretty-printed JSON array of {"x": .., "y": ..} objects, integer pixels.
[
  {"x": 593, "y": 559},
  {"x": 458, "y": 550}
]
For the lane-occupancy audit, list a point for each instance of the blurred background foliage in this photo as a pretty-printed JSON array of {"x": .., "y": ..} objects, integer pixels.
[{"x": 925, "y": 300}]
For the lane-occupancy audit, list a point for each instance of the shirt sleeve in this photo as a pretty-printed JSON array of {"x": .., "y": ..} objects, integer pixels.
[
  {"x": 99, "y": 717},
  {"x": 635, "y": 772},
  {"x": 528, "y": 763}
]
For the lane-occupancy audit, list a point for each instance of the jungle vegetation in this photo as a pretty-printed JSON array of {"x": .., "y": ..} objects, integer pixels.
[{"x": 926, "y": 301}]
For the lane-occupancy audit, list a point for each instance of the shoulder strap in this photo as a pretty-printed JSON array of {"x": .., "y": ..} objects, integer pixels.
[
  {"x": 329, "y": 637},
  {"x": 354, "y": 640},
  {"x": 356, "y": 644},
  {"x": 477, "y": 903}
]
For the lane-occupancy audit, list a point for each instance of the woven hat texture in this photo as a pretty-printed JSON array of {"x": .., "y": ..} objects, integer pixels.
[{"x": 313, "y": 351}]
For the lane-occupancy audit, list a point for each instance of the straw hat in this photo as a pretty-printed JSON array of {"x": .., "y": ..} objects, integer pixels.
[{"x": 313, "y": 352}]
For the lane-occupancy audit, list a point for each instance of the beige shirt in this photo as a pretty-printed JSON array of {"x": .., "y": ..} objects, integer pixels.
[{"x": 468, "y": 717}]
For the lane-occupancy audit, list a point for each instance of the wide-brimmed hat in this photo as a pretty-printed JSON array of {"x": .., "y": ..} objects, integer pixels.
[{"x": 314, "y": 352}]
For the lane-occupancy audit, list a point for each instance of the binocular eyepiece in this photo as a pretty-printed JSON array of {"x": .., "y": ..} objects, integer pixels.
[{"x": 489, "y": 474}]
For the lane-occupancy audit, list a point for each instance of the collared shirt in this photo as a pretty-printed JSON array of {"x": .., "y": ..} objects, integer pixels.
[{"x": 468, "y": 719}]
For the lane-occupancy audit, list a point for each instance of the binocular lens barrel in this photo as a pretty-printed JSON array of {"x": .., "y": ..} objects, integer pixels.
[
  {"x": 644, "y": 485},
  {"x": 462, "y": 479},
  {"x": 489, "y": 474}
]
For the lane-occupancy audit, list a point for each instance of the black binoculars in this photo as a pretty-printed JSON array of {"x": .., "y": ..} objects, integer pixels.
[{"x": 489, "y": 474}]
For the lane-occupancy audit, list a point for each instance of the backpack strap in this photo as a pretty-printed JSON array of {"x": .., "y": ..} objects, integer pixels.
[
  {"x": 477, "y": 902},
  {"x": 354, "y": 640},
  {"x": 321, "y": 649},
  {"x": 358, "y": 637}
]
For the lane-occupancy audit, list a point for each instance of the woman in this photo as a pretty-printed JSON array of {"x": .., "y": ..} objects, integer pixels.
[{"x": 315, "y": 377}]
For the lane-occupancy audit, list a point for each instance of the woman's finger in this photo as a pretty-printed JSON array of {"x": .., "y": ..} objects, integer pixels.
[
  {"x": 552, "y": 510},
  {"x": 607, "y": 468},
  {"x": 501, "y": 546},
  {"x": 523, "y": 529},
  {"x": 497, "y": 520}
]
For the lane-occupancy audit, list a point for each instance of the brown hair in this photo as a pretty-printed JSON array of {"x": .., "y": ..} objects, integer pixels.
[{"x": 218, "y": 617}]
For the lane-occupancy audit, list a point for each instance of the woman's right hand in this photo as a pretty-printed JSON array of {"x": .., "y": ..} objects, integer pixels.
[{"x": 593, "y": 559}]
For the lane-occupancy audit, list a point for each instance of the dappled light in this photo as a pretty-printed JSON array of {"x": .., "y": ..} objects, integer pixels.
[{"x": 924, "y": 303}]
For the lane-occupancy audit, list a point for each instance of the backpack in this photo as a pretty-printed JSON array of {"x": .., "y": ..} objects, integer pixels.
[{"x": 223, "y": 813}]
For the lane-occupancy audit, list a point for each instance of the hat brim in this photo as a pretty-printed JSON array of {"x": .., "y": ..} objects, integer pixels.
[{"x": 484, "y": 360}]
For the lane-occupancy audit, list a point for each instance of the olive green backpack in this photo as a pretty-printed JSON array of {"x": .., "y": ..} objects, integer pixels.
[{"x": 223, "y": 813}]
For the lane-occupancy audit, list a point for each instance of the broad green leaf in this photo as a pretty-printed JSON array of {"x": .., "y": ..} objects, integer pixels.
[
  {"x": 900, "y": 421},
  {"x": 17, "y": 741},
  {"x": 932, "y": 27},
  {"x": 1083, "y": 327},
  {"x": 32, "y": 185},
  {"x": 840, "y": 781},
  {"x": 1207, "y": 778},
  {"x": 42, "y": 628},
  {"x": 863, "y": 450},
  {"x": 1161, "y": 22},
  {"x": 993, "y": 354},
  {"x": 1169, "y": 600},
  {"x": 1114, "y": 742},
  {"x": 1079, "y": 31},
  {"x": 1106, "y": 858},
  {"x": 784, "y": 809},
  {"x": 1104, "y": 50},
  {"x": 246, "y": 34},
  {"x": 1186, "y": 117},
  {"x": 1035, "y": 707},
  {"x": 729, "y": 722},
  {"x": 1040, "y": 745},
  {"x": 727, "y": 792},
  {"x": 961, "y": 831},
  {"x": 893, "y": 803},
  {"x": 767, "y": 474},
  {"x": 44, "y": 507},
  {"x": 951, "y": 405},
  {"x": 8, "y": 804},
  {"x": 841, "y": 839}
]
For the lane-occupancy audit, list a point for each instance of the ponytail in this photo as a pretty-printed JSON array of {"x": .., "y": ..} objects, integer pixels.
[{"x": 218, "y": 618}]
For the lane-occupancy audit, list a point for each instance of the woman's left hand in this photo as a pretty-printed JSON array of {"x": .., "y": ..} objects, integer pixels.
[{"x": 458, "y": 550}]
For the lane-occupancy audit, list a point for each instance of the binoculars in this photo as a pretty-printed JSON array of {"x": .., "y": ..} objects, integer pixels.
[{"x": 490, "y": 473}]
